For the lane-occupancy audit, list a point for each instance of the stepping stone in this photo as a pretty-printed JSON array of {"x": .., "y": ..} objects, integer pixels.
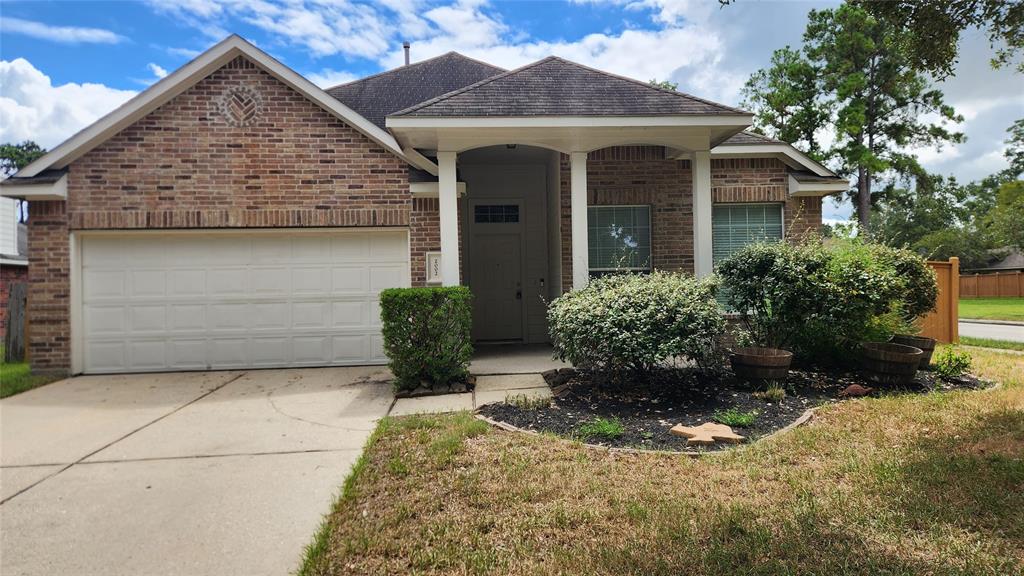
[{"x": 706, "y": 434}]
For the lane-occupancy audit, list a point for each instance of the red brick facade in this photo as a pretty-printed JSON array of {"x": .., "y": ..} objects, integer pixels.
[
  {"x": 8, "y": 275},
  {"x": 289, "y": 163},
  {"x": 642, "y": 175},
  {"x": 185, "y": 165}
]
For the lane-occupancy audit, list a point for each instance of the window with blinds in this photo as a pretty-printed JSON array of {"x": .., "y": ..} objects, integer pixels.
[
  {"x": 733, "y": 226},
  {"x": 619, "y": 238}
]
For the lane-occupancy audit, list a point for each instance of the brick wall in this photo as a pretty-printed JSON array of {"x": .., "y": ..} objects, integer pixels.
[
  {"x": 49, "y": 341},
  {"x": 642, "y": 175},
  {"x": 185, "y": 165},
  {"x": 9, "y": 275},
  {"x": 637, "y": 175}
]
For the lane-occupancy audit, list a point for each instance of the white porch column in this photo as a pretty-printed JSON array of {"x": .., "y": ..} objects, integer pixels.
[
  {"x": 702, "y": 252},
  {"x": 449, "y": 218},
  {"x": 578, "y": 201}
]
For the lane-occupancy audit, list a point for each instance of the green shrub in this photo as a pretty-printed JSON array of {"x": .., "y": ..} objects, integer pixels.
[
  {"x": 427, "y": 334},
  {"x": 735, "y": 418},
  {"x": 821, "y": 300},
  {"x": 952, "y": 362},
  {"x": 601, "y": 428},
  {"x": 635, "y": 322}
]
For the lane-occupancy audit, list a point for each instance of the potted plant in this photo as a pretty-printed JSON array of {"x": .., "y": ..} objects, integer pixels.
[
  {"x": 888, "y": 363},
  {"x": 920, "y": 292},
  {"x": 768, "y": 288}
]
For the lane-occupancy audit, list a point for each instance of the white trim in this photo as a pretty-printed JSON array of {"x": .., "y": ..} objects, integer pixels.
[
  {"x": 11, "y": 262},
  {"x": 738, "y": 120},
  {"x": 578, "y": 210},
  {"x": 430, "y": 189},
  {"x": 76, "y": 312},
  {"x": 797, "y": 188},
  {"x": 782, "y": 151},
  {"x": 50, "y": 191},
  {"x": 703, "y": 251},
  {"x": 189, "y": 75},
  {"x": 448, "y": 216},
  {"x": 421, "y": 161}
]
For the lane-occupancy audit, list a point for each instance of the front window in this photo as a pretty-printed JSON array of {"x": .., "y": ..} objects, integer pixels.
[
  {"x": 619, "y": 238},
  {"x": 734, "y": 226}
]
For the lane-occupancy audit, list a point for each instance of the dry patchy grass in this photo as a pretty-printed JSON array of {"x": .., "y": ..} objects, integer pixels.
[{"x": 897, "y": 485}]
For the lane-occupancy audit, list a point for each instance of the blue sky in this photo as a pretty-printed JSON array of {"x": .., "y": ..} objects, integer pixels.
[{"x": 66, "y": 63}]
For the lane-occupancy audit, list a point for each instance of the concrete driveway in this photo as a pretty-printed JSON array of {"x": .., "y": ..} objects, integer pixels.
[{"x": 190, "y": 473}]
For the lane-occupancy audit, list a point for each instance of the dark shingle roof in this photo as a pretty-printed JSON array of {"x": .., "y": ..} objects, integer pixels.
[
  {"x": 557, "y": 87},
  {"x": 751, "y": 138},
  {"x": 45, "y": 177},
  {"x": 374, "y": 97}
]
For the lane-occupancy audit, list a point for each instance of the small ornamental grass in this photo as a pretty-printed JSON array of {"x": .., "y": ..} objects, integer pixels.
[
  {"x": 601, "y": 429},
  {"x": 735, "y": 418},
  {"x": 636, "y": 322},
  {"x": 427, "y": 334}
]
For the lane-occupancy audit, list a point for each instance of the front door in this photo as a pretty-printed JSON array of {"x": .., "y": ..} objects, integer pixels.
[{"x": 496, "y": 272}]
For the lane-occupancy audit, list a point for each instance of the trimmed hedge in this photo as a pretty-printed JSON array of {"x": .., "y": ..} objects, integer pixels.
[
  {"x": 635, "y": 322},
  {"x": 427, "y": 334}
]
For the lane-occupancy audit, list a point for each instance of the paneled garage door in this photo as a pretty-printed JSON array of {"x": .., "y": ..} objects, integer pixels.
[{"x": 236, "y": 300}]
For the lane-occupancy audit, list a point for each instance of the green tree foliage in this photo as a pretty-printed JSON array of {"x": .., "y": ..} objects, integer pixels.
[
  {"x": 1015, "y": 149},
  {"x": 864, "y": 87},
  {"x": 664, "y": 84},
  {"x": 785, "y": 100},
  {"x": 1008, "y": 215},
  {"x": 14, "y": 157},
  {"x": 929, "y": 32}
]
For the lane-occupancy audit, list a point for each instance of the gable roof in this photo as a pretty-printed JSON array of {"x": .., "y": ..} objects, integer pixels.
[
  {"x": 184, "y": 78},
  {"x": 374, "y": 97},
  {"x": 557, "y": 87}
]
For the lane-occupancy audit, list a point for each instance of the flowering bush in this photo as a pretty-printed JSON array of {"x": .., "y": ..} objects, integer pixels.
[{"x": 635, "y": 322}]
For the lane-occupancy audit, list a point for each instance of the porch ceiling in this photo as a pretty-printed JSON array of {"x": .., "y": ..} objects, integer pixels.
[{"x": 566, "y": 134}]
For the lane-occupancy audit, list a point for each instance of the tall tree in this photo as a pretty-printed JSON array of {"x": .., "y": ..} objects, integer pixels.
[
  {"x": 785, "y": 99},
  {"x": 1015, "y": 149},
  {"x": 14, "y": 157},
  {"x": 865, "y": 88},
  {"x": 929, "y": 32}
]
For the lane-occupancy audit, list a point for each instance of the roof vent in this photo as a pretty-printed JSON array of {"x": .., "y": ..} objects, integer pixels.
[{"x": 405, "y": 46}]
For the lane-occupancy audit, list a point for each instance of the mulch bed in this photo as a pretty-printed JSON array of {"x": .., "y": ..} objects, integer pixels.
[{"x": 648, "y": 409}]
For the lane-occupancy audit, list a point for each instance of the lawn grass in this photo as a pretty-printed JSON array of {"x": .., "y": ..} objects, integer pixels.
[
  {"x": 992, "y": 343},
  {"x": 17, "y": 377},
  {"x": 992, "y": 308},
  {"x": 915, "y": 484}
]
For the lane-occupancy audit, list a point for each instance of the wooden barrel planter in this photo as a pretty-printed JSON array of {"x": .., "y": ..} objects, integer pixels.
[
  {"x": 887, "y": 363},
  {"x": 761, "y": 364},
  {"x": 927, "y": 346}
]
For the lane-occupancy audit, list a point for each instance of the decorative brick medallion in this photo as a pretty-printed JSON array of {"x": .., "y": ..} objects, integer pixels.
[{"x": 240, "y": 105}]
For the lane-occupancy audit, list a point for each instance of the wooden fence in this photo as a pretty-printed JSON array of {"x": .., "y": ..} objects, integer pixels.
[
  {"x": 942, "y": 323},
  {"x": 992, "y": 285}
]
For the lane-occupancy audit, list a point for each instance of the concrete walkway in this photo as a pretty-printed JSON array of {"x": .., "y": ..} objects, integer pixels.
[{"x": 197, "y": 473}]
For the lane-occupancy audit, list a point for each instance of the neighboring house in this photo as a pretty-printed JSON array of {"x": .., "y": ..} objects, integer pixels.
[
  {"x": 235, "y": 215},
  {"x": 13, "y": 258},
  {"x": 1008, "y": 259}
]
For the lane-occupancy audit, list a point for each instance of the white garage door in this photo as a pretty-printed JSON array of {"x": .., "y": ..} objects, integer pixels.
[{"x": 236, "y": 300}]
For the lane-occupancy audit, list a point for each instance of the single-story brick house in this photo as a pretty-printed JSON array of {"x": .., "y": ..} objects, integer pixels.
[{"x": 234, "y": 215}]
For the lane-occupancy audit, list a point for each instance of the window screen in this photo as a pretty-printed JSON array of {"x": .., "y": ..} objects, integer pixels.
[
  {"x": 735, "y": 226},
  {"x": 619, "y": 238}
]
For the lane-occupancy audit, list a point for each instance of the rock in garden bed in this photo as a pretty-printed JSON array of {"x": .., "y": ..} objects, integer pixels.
[{"x": 637, "y": 413}]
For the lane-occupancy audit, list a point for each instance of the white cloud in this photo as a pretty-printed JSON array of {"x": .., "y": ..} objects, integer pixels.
[
  {"x": 157, "y": 70},
  {"x": 184, "y": 52},
  {"x": 32, "y": 108},
  {"x": 327, "y": 77},
  {"x": 62, "y": 34}
]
